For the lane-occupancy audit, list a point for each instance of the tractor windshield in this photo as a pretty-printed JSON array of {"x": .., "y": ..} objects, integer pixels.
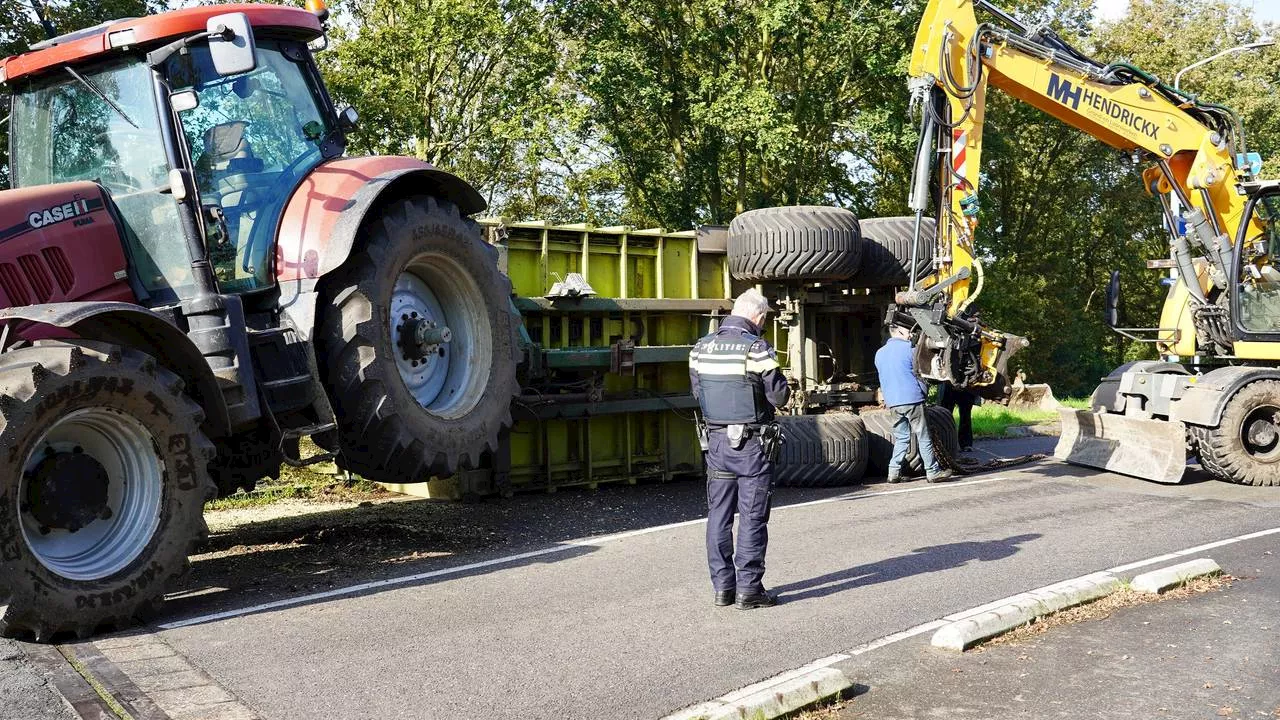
[
  {"x": 252, "y": 138},
  {"x": 64, "y": 131}
]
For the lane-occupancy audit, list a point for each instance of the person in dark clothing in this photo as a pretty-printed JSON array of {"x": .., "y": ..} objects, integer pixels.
[
  {"x": 904, "y": 394},
  {"x": 951, "y": 397},
  {"x": 735, "y": 378}
]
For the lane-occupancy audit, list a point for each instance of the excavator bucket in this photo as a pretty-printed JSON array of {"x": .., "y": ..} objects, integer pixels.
[{"x": 1148, "y": 449}]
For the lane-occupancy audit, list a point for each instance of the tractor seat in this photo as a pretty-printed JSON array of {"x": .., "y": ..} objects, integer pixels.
[{"x": 230, "y": 159}]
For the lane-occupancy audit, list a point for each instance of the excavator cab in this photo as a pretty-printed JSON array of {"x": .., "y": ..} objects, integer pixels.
[{"x": 1257, "y": 282}]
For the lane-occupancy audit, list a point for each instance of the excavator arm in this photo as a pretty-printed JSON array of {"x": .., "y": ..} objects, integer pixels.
[{"x": 1190, "y": 149}]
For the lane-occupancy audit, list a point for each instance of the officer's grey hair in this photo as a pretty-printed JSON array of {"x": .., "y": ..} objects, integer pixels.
[{"x": 750, "y": 304}]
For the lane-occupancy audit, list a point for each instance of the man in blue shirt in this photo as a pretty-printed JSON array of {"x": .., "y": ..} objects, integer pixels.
[{"x": 904, "y": 394}]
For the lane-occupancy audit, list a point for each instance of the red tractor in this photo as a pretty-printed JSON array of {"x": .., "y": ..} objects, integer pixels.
[{"x": 193, "y": 277}]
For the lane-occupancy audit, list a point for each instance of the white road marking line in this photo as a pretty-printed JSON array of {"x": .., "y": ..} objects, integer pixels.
[
  {"x": 565, "y": 546},
  {"x": 1195, "y": 550}
]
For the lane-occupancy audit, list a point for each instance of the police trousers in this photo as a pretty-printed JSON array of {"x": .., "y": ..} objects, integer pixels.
[{"x": 738, "y": 481}]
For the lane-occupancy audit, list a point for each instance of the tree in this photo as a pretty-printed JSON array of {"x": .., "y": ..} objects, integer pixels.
[
  {"x": 468, "y": 86},
  {"x": 712, "y": 107}
]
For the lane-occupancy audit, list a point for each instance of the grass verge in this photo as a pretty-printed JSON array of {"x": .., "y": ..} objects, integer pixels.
[
  {"x": 993, "y": 421},
  {"x": 1103, "y": 607}
]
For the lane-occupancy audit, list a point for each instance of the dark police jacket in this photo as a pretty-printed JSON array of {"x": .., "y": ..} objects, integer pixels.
[{"x": 735, "y": 377}]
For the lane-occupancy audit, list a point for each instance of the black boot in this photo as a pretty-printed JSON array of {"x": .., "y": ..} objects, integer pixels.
[
  {"x": 724, "y": 598},
  {"x": 761, "y": 599}
]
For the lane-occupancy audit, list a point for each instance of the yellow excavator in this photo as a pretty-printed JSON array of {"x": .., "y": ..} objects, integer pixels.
[{"x": 1215, "y": 392}]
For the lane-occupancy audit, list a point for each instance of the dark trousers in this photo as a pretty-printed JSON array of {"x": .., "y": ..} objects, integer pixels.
[
  {"x": 951, "y": 398},
  {"x": 738, "y": 481}
]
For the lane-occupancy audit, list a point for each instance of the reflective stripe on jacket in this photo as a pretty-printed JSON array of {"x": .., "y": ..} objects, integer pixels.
[{"x": 734, "y": 375}]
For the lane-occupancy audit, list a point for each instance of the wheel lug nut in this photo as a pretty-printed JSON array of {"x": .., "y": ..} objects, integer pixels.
[
  {"x": 77, "y": 450},
  {"x": 44, "y": 530},
  {"x": 106, "y": 514}
]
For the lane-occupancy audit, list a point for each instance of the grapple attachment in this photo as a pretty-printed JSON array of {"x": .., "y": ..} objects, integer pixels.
[{"x": 1148, "y": 449}]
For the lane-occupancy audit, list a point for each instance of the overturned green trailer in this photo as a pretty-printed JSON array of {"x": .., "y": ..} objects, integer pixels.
[{"x": 609, "y": 315}]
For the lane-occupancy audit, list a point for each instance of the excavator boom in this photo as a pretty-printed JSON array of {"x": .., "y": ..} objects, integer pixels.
[{"x": 1196, "y": 166}]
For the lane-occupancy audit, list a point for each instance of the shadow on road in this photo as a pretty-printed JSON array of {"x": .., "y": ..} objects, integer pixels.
[{"x": 920, "y": 561}]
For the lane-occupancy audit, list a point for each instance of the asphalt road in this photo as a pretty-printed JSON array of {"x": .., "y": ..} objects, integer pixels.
[{"x": 624, "y": 627}]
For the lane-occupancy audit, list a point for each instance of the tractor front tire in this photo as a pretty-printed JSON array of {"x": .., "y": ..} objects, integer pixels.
[
  {"x": 1245, "y": 446},
  {"x": 419, "y": 345},
  {"x": 102, "y": 487}
]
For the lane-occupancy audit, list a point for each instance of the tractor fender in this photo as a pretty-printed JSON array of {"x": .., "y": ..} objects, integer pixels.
[
  {"x": 320, "y": 224},
  {"x": 136, "y": 327},
  {"x": 1203, "y": 402}
]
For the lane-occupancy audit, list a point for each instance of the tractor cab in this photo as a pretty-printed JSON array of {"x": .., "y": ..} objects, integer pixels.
[{"x": 242, "y": 135}]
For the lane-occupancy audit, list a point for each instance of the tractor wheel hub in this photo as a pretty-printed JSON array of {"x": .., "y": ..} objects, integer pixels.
[
  {"x": 68, "y": 490},
  {"x": 420, "y": 337}
]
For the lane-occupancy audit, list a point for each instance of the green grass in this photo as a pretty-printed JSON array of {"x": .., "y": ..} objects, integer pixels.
[
  {"x": 305, "y": 483},
  {"x": 991, "y": 421}
]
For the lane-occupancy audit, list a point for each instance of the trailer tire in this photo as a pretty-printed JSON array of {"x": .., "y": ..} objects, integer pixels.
[
  {"x": 822, "y": 450},
  {"x": 1245, "y": 446},
  {"x": 410, "y": 408},
  {"x": 886, "y": 251},
  {"x": 942, "y": 430},
  {"x": 803, "y": 243},
  {"x": 102, "y": 487}
]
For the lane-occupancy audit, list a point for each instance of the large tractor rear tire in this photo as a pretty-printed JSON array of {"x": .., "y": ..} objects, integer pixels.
[
  {"x": 886, "y": 251},
  {"x": 102, "y": 487},
  {"x": 1245, "y": 446},
  {"x": 801, "y": 243},
  {"x": 419, "y": 345},
  {"x": 822, "y": 450}
]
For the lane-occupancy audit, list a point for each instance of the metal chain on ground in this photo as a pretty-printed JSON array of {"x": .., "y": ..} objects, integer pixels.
[{"x": 969, "y": 466}]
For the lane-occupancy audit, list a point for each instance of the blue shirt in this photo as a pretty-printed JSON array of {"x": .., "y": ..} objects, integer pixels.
[{"x": 898, "y": 381}]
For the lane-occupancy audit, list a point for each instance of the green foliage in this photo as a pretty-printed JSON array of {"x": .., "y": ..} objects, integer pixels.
[
  {"x": 467, "y": 85},
  {"x": 712, "y": 107}
]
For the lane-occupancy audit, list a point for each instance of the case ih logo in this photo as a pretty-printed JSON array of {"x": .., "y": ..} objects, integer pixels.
[
  {"x": 1064, "y": 92},
  {"x": 57, "y": 213}
]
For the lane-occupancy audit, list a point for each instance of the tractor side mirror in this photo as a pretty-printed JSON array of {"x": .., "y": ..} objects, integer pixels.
[
  {"x": 231, "y": 44},
  {"x": 1113, "y": 300},
  {"x": 347, "y": 119}
]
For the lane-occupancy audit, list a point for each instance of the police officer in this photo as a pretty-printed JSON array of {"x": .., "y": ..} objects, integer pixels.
[{"x": 735, "y": 378}]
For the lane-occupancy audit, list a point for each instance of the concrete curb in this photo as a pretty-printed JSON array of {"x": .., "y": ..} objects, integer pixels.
[
  {"x": 1157, "y": 581},
  {"x": 776, "y": 696},
  {"x": 964, "y": 632}
]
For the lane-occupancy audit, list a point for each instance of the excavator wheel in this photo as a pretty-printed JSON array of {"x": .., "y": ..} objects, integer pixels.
[
  {"x": 102, "y": 489},
  {"x": 419, "y": 345},
  {"x": 1245, "y": 446}
]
